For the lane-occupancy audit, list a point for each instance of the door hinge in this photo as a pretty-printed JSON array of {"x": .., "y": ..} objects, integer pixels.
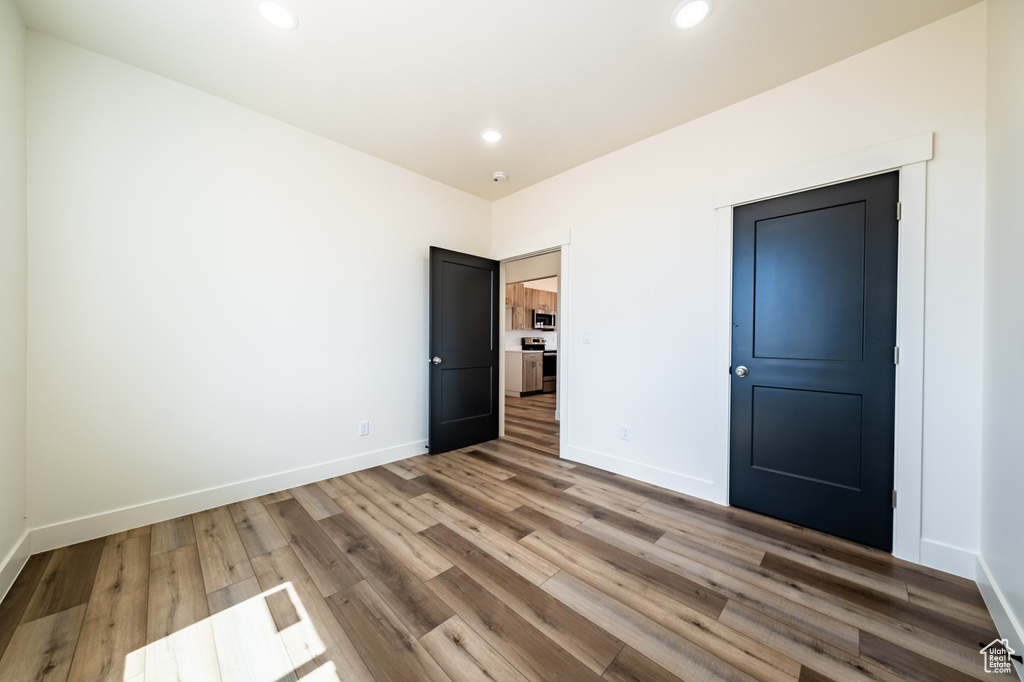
[
  {"x": 896, "y": 355},
  {"x": 893, "y": 499},
  {"x": 899, "y": 210}
]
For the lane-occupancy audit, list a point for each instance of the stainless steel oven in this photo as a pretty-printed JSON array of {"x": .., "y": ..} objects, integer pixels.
[{"x": 550, "y": 370}]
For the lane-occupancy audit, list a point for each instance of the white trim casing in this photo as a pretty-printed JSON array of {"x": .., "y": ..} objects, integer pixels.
[
  {"x": 1006, "y": 624},
  {"x": 909, "y": 156},
  {"x": 12, "y": 564}
]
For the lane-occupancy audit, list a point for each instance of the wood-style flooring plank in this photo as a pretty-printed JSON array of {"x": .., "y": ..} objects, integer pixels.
[
  {"x": 391, "y": 502},
  {"x": 406, "y": 595},
  {"x": 178, "y": 632},
  {"x": 912, "y": 665},
  {"x": 649, "y": 600},
  {"x": 467, "y": 462},
  {"x": 868, "y": 601},
  {"x": 13, "y": 606},
  {"x": 221, "y": 551},
  {"x": 327, "y": 565},
  {"x": 560, "y": 543},
  {"x": 67, "y": 580},
  {"x": 471, "y": 485},
  {"x": 406, "y": 487},
  {"x": 177, "y": 596},
  {"x": 317, "y": 503},
  {"x": 695, "y": 524},
  {"x": 594, "y": 647},
  {"x": 632, "y": 666},
  {"x": 412, "y": 550},
  {"x": 42, "y": 648},
  {"x": 521, "y": 644},
  {"x": 495, "y": 516},
  {"x": 465, "y": 656},
  {"x": 512, "y": 554},
  {"x": 115, "y": 620},
  {"x": 676, "y": 654},
  {"x": 256, "y": 529},
  {"x": 274, "y": 498},
  {"x": 813, "y": 653},
  {"x": 335, "y": 487},
  {"x": 172, "y": 534},
  {"x": 389, "y": 649},
  {"x": 249, "y": 643},
  {"x": 309, "y": 629},
  {"x": 833, "y": 631},
  {"x": 404, "y": 470}
]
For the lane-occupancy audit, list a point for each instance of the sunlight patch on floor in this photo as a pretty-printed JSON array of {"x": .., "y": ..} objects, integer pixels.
[{"x": 263, "y": 639}]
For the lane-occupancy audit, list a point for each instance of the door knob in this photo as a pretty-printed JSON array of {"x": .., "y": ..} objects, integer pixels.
[
  {"x": 436, "y": 360},
  {"x": 742, "y": 371}
]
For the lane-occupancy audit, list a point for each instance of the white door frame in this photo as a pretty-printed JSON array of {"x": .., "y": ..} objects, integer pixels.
[
  {"x": 909, "y": 156},
  {"x": 564, "y": 322}
]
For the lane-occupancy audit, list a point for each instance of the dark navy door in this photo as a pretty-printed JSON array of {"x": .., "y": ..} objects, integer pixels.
[
  {"x": 464, "y": 345},
  {"x": 813, "y": 373}
]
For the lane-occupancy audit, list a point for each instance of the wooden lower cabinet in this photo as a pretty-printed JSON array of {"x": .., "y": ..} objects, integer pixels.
[
  {"x": 524, "y": 372},
  {"x": 533, "y": 372}
]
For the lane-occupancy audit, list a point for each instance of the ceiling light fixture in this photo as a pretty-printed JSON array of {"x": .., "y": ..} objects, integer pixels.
[
  {"x": 690, "y": 13},
  {"x": 278, "y": 14},
  {"x": 491, "y": 134}
]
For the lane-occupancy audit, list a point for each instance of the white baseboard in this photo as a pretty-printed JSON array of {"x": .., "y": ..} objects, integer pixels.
[
  {"x": 681, "y": 483},
  {"x": 955, "y": 560},
  {"x": 1007, "y": 623},
  {"x": 115, "y": 521},
  {"x": 12, "y": 564}
]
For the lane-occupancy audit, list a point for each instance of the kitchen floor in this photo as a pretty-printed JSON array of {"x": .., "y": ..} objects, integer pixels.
[{"x": 530, "y": 421}]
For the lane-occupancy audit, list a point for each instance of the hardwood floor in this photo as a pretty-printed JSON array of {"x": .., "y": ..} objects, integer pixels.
[{"x": 495, "y": 562}]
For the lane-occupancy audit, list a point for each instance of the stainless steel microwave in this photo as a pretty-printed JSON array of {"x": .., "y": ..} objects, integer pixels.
[{"x": 543, "y": 320}]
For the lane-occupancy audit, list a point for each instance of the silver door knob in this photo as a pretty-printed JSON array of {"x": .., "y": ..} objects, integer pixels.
[
  {"x": 742, "y": 371},
  {"x": 436, "y": 360}
]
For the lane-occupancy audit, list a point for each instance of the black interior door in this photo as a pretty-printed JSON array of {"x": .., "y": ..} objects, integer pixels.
[
  {"x": 464, "y": 345},
  {"x": 814, "y": 331}
]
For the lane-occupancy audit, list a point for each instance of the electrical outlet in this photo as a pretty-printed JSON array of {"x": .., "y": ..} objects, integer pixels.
[
  {"x": 625, "y": 432},
  {"x": 364, "y": 427}
]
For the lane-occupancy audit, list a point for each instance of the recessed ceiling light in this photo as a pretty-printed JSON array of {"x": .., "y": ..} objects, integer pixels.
[
  {"x": 491, "y": 134},
  {"x": 690, "y": 13},
  {"x": 278, "y": 14}
]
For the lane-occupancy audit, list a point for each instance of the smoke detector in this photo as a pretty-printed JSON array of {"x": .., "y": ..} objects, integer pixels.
[{"x": 500, "y": 176}]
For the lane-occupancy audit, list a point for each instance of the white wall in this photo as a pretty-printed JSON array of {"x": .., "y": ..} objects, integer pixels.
[
  {"x": 1002, "y": 512},
  {"x": 646, "y": 214},
  {"x": 198, "y": 310},
  {"x": 12, "y": 293}
]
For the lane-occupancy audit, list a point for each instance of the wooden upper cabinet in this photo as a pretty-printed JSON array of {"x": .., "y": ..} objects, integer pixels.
[
  {"x": 519, "y": 318},
  {"x": 515, "y": 295},
  {"x": 518, "y": 296}
]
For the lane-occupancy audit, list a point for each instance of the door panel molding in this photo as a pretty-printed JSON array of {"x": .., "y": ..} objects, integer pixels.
[{"x": 909, "y": 156}]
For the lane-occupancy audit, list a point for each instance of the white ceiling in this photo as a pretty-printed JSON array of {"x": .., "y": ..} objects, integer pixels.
[{"x": 414, "y": 81}]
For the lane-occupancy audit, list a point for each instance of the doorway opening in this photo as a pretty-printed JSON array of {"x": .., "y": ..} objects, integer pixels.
[{"x": 531, "y": 362}]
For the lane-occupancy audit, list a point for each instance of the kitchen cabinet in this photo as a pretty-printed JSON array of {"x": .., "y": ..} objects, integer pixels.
[
  {"x": 533, "y": 372},
  {"x": 515, "y": 295},
  {"x": 523, "y": 301},
  {"x": 524, "y": 372},
  {"x": 521, "y": 318},
  {"x": 519, "y": 296}
]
